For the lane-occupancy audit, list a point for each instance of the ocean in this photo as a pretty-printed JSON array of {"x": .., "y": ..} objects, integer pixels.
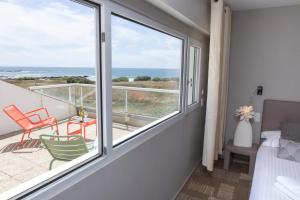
[{"x": 17, "y": 72}]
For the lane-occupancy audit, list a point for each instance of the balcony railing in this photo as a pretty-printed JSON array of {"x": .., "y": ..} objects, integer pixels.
[
  {"x": 141, "y": 105},
  {"x": 75, "y": 94}
]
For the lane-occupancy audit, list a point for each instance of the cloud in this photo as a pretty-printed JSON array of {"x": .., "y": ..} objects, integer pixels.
[
  {"x": 137, "y": 46},
  {"x": 52, "y": 34},
  {"x": 61, "y": 33}
]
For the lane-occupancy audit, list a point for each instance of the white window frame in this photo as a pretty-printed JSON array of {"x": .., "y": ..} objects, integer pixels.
[
  {"x": 110, "y": 154},
  {"x": 197, "y": 76},
  {"x": 24, "y": 189},
  {"x": 145, "y": 21}
]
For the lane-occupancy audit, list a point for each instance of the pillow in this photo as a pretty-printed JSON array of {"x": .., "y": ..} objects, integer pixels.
[
  {"x": 271, "y": 142},
  {"x": 289, "y": 150},
  {"x": 269, "y": 134},
  {"x": 290, "y": 131}
]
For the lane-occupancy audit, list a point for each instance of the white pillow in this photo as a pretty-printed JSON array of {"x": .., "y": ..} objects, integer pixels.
[
  {"x": 271, "y": 142},
  {"x": 271, "y": 134}
]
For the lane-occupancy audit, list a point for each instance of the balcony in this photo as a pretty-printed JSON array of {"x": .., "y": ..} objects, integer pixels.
[{"x": 133, "y": 108}]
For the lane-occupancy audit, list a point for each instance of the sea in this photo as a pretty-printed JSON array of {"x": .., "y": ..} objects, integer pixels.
[{"x": 44, "y": 72}]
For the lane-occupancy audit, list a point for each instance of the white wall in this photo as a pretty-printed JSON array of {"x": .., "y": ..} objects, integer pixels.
[
  {"x": 26, "y": 101},
  {"x": 195, "y": 12},
  {"x": 151, "y": 8},
  {"x": 265, "y": 50}
]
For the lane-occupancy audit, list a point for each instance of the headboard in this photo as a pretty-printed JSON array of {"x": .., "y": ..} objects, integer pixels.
[{"x": 275, "y": 112}]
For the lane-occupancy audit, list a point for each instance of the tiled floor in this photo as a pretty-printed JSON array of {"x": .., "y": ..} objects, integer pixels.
[
  {"x": 18, "y": 165},
  {"x": 218, "y": 185}
]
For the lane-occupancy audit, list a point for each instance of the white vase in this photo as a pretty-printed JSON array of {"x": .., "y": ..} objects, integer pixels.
[{"x": 243, "y": 134}]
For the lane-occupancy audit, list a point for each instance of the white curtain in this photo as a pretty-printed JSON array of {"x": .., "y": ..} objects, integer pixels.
[
  {"x": 217, "y": 83},
  {"x": 224, "y": 79}
]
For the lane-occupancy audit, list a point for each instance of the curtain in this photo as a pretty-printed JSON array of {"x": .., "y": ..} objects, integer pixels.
[
  {"x": 217, "y": 89},
  {"x": 224, "y": 81}
]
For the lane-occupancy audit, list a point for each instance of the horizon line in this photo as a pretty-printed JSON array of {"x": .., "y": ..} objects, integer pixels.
[{"x": 91, "y": 67}]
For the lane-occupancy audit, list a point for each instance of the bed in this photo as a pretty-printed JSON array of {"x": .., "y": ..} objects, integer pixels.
[{"x": 268, "y": 166}]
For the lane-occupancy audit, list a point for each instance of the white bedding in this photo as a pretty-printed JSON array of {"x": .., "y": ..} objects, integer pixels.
[{"x": 267, "y": 168}]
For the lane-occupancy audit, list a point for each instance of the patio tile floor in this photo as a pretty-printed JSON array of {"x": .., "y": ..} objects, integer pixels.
[{"x": 20, "y": 165}]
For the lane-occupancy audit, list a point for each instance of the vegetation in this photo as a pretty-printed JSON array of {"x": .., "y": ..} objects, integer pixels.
[
  {"x": 79, "y": 79},
  {"x": 27, "y": 78},
  {"x": 142, "y": 78},
  {"x": 166, "y": 79},
  {"x": 171, "y": 85},
  {"x": 121, "y": 79},
  {"x": 156, "y": 79}
]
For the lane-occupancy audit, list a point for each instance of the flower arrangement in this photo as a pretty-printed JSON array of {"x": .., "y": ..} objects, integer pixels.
[{"x": 245, "y": 113}]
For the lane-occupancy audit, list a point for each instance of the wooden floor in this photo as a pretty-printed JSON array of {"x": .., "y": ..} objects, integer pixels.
[{"x": 218, "y": 185}]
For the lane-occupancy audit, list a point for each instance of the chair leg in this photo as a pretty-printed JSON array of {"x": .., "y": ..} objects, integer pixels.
[
  {"x": 29, "y": 134},
  {"x": 51, "y": 163},
  {"x": 56, "y": 125},
  {"x": 22, "y": 138}
]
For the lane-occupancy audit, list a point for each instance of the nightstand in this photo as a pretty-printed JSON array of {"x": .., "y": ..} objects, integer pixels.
[{"x": 246, "y": 151}]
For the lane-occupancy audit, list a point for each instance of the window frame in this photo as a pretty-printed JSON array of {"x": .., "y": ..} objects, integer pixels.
[
  {"x": 36, "y": 184},
  {"x": 53, "y": 187},
  {"x": 135, "y": 17},
  {"x": 197, "y": 77}
]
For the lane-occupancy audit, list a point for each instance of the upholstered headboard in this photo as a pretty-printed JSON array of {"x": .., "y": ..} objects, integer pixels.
[{"x": 275, "y": 112}]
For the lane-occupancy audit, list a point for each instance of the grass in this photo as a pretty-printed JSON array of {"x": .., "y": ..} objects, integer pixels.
[{"x": 170, "y": 85}]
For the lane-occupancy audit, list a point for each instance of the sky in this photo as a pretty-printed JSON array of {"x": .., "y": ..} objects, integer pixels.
[{"x": 61, "y": 33}]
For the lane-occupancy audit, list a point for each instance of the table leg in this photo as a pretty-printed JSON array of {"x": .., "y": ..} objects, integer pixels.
[
  {"x": 84, "y": 132},
  {"x": 252, "y": 164},
  {"x": 227, "y": 158}
]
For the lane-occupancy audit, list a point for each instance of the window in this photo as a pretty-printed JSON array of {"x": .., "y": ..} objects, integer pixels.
[
  {"x": 49, "y": 88},
  {"x": 193, "y": 75},
  {"x": 146, "y": 77},
  {"x": 50, "y": 64}
]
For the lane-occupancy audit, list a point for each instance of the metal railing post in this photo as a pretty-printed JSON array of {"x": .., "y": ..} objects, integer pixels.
[
  {"x": 126, "y": 101},
  {"x": 70, "y": 94},
  {"x": 126, "y": 108},
  {"x": 81, "y": 97}
]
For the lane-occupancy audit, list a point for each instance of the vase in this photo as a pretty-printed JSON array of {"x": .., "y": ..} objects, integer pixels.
[{"x": 243, "y": 134}]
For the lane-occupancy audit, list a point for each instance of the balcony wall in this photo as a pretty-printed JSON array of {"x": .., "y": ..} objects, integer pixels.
[{"x": 27, "y": 101}]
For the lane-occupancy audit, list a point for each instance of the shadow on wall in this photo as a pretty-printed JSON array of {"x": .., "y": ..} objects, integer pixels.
[{"x": 26, "y": 101}]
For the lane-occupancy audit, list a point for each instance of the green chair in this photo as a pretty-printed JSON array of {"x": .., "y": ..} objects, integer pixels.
[{"x": 64, "y": 148}]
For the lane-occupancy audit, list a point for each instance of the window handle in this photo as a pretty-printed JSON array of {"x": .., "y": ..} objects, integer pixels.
[{"x": 190, "y": 82}]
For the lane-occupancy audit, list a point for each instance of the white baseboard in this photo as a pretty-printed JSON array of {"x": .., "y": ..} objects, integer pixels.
[{"x": 186, "y": 179}]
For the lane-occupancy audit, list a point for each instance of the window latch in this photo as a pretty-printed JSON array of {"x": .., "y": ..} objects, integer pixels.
[{"x": 103, "y": 36}]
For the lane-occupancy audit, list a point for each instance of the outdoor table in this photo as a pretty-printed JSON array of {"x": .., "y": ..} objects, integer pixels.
[{"x": 82, "y": 125}]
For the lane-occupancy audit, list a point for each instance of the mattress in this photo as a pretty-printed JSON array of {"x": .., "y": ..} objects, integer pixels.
[{"x": 267, "y": 168}]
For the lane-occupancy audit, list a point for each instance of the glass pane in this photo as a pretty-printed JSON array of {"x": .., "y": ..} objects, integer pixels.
[
  {"x": 191, "y": 75},
  {"x": 146, "y": 76},
  {"x": 197, "y": 74},
  {"x": 48, "y": 65}
]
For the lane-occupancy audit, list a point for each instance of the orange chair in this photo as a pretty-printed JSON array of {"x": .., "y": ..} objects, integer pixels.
[{"x": 25, "y": 119}]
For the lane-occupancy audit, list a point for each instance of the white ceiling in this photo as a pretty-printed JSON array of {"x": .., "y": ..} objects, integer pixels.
[{"x": 256, "y": 4}]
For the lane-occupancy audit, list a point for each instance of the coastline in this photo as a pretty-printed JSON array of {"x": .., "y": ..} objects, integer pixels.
[{"x": 26, "y": 82}]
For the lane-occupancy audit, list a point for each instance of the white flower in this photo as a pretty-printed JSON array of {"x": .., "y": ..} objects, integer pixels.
[{"x": 245, "y": 112}]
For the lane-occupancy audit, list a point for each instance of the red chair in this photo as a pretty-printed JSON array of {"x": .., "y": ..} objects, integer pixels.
[{"x": 25, "y": 120}]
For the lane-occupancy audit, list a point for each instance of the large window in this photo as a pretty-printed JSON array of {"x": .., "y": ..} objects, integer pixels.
[
  {"x": 50, "y": 85},
  {"x": 49, "y": 88},
  {"x": 193, "y": 75},
  {"x": 146, "y": 77}
]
